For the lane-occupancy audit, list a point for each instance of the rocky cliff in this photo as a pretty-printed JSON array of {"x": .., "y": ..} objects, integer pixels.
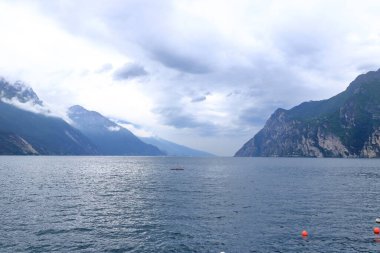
[{"x": 346, "y": 125}]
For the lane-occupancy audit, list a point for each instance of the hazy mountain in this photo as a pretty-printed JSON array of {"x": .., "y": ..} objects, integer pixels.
[
  {"x": 174, "y": 149},
  {"x": 346, "y": 125},
  {"x": 27, "y": 132},
  {"x": 18, "y": 91},
  {"x": 109, "y": 137}
]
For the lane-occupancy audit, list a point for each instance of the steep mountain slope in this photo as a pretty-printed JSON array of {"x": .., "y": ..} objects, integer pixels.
[
  {"x": 109, "y": 137},
  {"x": 12, "y": 144},
  {"x": 346, "y": 125},
  {"x": 26, "y": 132},
  {"x": 174, "y": 149}
]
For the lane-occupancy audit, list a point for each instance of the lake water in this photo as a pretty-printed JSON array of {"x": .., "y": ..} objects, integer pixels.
[{"x": 132, "y": 204}]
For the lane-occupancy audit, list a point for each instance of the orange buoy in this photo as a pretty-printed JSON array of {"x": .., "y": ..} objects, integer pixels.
[
  {"x": 376, "y": 230},
  {"x": 304, "y": 233}
]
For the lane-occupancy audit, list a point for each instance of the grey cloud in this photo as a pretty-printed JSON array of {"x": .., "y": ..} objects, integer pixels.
[
  {"x": 255, "y": 116},
  {"x": 180, "y": 62},
  {"x": 367, "y": 67},
  {"x": 301, "y": 43},
  {"x": 176, "y": 117},
  {"x": 129, "y": 71},
  {"x": 105, "y": 68},
  {"x": 198, "y": 99},
  {"x": 143, "y": 29},
  {"x": 233, "y": 93}
]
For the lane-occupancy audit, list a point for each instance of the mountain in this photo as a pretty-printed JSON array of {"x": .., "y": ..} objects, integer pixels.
[
  {"x": 18, "y": 91},
  {"x": 174, "y": 149},
  {"x": 346, "y": 125},
  {"x": 24, "y": 132},
  {"x": 109, "y": 137}
]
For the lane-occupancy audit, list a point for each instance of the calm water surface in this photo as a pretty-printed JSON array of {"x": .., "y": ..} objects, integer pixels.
[{"x": 130, "y": 204}]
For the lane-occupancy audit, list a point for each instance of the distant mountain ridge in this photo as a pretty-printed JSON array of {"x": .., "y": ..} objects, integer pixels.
[
  {"x": 174, "y": 149},
  {"x": 346, "y": 125},
  {"x": 109, "y": 137}
]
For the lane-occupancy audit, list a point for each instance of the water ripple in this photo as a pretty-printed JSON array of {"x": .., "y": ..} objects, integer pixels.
[{"x": 131, "y": 204}]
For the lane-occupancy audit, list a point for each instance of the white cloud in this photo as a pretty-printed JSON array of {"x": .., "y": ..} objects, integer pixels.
[
  {"x": 113, "y": 128},
  {"x": 138, "y": 131},
  {"x": 28, "y": 106}
]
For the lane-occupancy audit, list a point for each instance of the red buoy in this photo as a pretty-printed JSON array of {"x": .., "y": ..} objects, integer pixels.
[
  {"x": 376, "y": 230},
  {"x": 304, "y": 233}
]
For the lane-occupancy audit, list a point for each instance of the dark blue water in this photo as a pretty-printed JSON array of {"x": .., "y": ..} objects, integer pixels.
[{"x": 121, "y": 204}]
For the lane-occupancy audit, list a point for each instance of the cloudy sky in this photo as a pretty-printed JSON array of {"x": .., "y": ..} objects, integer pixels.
[{"x": 203, "y": 73}]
